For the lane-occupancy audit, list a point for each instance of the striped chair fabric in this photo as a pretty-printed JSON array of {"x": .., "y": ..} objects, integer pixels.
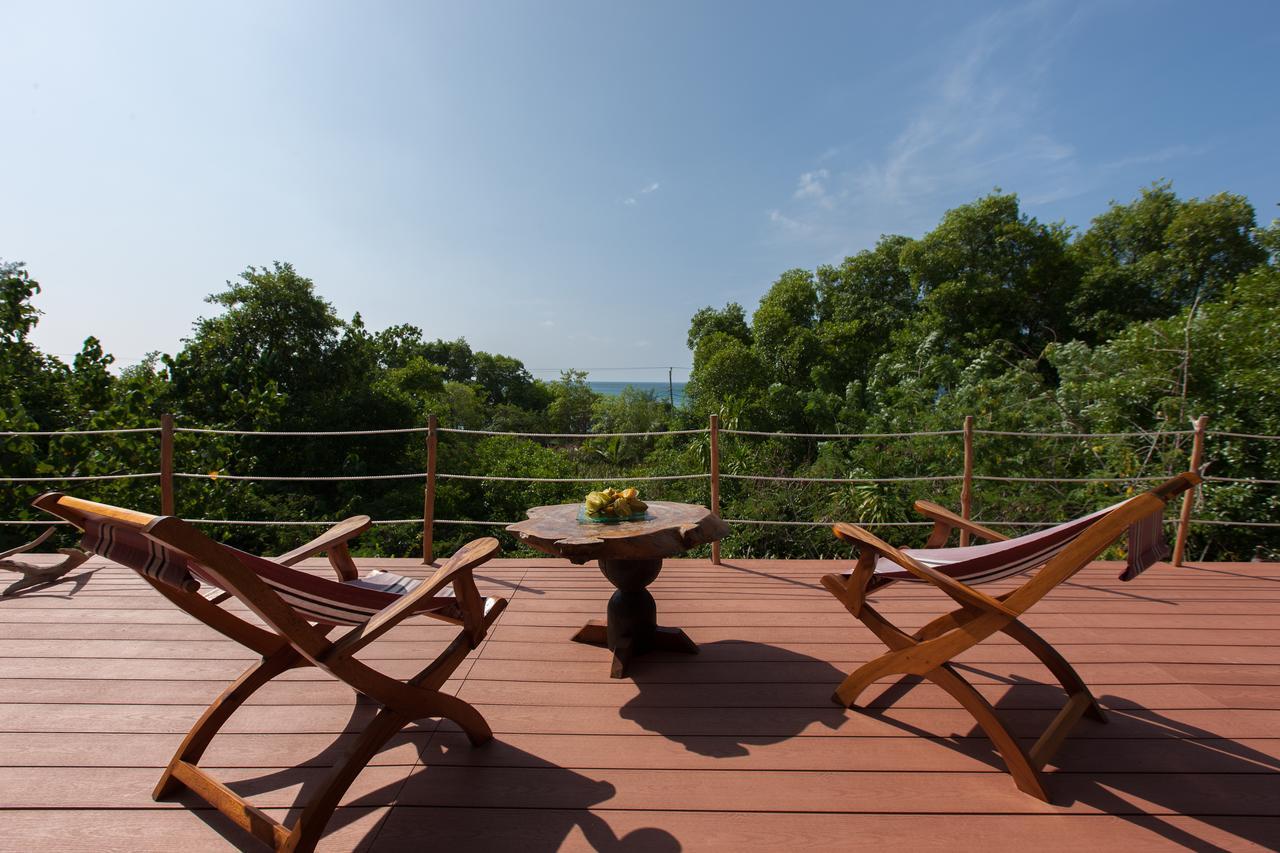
[
  {"x": 315, "y": 598},
  {"x": 993, "y": 561}
]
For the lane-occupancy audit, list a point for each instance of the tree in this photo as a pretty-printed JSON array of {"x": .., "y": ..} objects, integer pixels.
[
  {"x": 990, "y": 273},
  {"x": 572, "y": 403},
  {"x": 860, "y": 304},
  {"x": 266, "y": 361},
  {"x": 730, "y": 320},
  {"x": 1157, "y": 254}
]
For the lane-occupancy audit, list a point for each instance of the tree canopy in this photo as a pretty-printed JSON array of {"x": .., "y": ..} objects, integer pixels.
[{"x": 1161, "y": 310}]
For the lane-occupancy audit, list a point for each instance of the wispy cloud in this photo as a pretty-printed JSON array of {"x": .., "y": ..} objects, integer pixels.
[
  {"x": 811, "y": 186},
  {"x": 978, "y": 123},
  {"x": 647, "y": 189},
  {"x": 1162, "y": 155}
]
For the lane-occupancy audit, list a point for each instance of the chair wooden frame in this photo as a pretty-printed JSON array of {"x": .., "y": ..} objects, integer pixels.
[
  {"x": 928, "y": 652},
  {"x": 288, "y": 641}
]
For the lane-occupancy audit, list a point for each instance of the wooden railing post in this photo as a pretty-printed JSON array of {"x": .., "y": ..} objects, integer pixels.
[
  {"x": 166, "y": 465},
  {"x": 966, "y": 485},
  {"x": 715, "y": 481},
  {"x": 429, "y": 500},
  {"x": 1184, "y": 521}
]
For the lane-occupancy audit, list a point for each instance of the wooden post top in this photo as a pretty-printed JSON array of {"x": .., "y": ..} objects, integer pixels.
[{"x": 669, "y": 530}]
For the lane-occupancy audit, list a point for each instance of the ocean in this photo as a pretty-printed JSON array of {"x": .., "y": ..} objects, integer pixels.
[{"x": 659, "y": 389}]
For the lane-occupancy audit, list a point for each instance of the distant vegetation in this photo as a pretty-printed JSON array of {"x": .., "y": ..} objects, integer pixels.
[{"x": 1161, "y": 310}]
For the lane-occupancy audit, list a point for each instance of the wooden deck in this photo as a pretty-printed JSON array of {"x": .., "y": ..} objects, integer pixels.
[{"x": 737, "y": 748}]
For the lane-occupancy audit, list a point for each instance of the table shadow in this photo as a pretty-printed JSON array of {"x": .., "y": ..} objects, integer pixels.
[{"x": 732, "y": 695}]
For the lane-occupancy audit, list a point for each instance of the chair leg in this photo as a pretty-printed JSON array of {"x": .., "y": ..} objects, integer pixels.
[
  {"x": 309, "y": 827},
  {"x": 217, "y": 714},
  {"x": 1025, "y": 776},
  {"x": 1057, "y": 664},
  {"x": 465, "y": 715}
]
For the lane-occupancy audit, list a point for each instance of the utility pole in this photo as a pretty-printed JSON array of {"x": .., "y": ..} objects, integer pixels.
[{"x": 671, "y": 394}]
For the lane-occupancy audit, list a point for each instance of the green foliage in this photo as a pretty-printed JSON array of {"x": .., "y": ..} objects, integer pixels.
[{"x": 1163, "y": 309}]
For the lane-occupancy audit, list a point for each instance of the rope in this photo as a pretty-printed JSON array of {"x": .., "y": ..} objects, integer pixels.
[
  {"x": 314, "y": 523},
  {"x": 292, "y": 523},
  {"x": 297, "y": 434},
  {"x": 1083, "y": 434},
  {"x": 569, "y": 479},
  {"x": 825, "y": 523},
  {"x": 1068, "y": 479},
  {"x": 300, "y": 479},
  {"x": 80, "y": 431},
  {"x": 1242, "y": 480},
  {"x": 576, "y": 434},
  {"x": 1221, "y": 523},
  {"x": 1244, "y": 435},
  {"x": 764, "y": 478},
  {"x": 76, "y": 479},
  {"x": 839, "y": 434},
  {"x": 474, "y": 523}
]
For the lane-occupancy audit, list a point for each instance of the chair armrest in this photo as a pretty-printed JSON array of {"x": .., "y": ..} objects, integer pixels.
[
  {"x": 961, "y": 592},
  {"x": 944, "y": 521},
  {"x": 332, "y": 542},
  {"x": 456, "y": 571}
]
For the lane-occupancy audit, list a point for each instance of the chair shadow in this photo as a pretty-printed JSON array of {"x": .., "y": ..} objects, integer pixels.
[
  {"x": 1119, "y": 593},
  {"x": 444, "y": 756},
  {"x": 780, "y": 578},
  {"x": 1132, "y": 756},
  {"x": 762, "y": 694},
  {"x": 40, "y": 590},
  {"x": 1228, "y": 573}
]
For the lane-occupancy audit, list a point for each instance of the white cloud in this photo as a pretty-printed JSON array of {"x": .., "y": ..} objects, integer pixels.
[
  {"x": 647, "y": 189},
  {"x": 810, "y": 185},
  {"x": 1170, "y": 152},
  {"x": 977, "y": 123},
  {"x": 786, "y": 223}
]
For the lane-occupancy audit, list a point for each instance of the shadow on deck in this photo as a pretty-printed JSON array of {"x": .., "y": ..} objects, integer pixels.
[{"x": 736, "y": 748}]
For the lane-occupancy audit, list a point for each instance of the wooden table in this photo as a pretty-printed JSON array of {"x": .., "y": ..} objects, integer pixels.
[{"x": 630, "y": 555}]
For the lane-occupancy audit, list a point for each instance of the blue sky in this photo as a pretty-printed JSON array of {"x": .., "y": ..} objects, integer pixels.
[{"x": 568, "y": 182}]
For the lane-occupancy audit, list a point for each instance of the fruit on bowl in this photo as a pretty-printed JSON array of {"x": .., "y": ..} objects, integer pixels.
[{"x": 614, "y": 504}]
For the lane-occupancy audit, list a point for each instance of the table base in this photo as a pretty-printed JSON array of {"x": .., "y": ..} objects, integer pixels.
[
  {"x": 595, "y": 633},
  {"x": 632, "y": 627}
]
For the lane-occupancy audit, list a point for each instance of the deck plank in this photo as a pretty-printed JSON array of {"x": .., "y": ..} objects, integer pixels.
[{"x": 736, "y": 748}]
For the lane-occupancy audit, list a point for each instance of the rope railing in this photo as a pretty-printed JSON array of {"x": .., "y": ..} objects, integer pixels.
[
  {"x": 839, "y": 434},
  {"x": 1151, "y": 434},
  {"x": 9, "y": 434},
  {"x": 300, "y": 433},
  {"x": 841, "y": 480},
  {"x": 629, "y": 479},
  {"x": 76, "y": 478},
  {"x": 263, "y": 478},
  {"x": 167, "y": 475},
  {"x": 650, "y": 434}
]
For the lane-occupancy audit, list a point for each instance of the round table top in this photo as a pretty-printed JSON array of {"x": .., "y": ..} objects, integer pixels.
[{"x": 669, "y": 529}]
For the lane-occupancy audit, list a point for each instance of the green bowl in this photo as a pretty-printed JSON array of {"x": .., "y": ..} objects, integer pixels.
[{"x": 608, "y": 519}]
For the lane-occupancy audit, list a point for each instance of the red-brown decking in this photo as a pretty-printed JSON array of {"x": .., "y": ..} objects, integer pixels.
[{"x": 737, "y": 748}]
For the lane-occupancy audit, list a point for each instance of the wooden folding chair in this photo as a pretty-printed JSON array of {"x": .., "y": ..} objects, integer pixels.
[
  {"x": 299, "y": 611},
  {"x": 1059, "y": 552}
]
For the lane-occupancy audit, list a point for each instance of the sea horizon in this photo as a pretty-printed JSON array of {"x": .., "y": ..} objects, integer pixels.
[{"x": 675, "y": 391}]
